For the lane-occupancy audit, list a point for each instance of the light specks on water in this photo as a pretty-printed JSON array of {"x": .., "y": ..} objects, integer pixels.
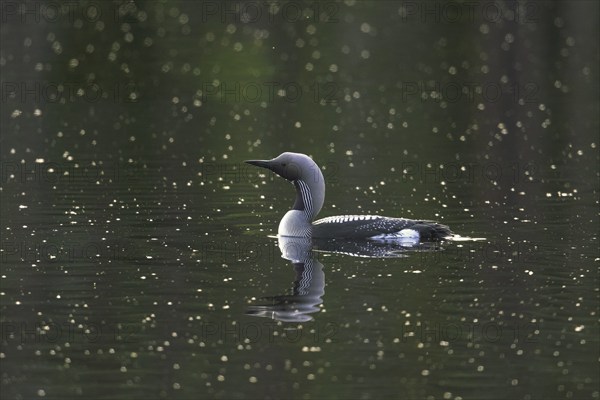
[{"x": 134, "y": 238}]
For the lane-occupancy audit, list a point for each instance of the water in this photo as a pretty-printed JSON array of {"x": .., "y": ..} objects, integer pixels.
[{"x": 138, "y": 250}]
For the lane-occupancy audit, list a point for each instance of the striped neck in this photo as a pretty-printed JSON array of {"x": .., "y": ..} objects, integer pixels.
[{"x": 306, "y": 201}]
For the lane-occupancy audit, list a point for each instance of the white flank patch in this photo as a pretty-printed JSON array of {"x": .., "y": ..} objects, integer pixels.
[{"x": 405, "y": 237}]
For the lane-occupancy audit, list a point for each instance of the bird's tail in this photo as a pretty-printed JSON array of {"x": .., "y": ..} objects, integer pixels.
[{"x": 429, "y": 230}]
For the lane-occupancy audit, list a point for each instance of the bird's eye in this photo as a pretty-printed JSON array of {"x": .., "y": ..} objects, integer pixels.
[{"x": 284, "y": 165}]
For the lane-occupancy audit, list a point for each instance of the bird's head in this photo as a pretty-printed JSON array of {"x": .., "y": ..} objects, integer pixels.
[{"x": 291, "y": 166}]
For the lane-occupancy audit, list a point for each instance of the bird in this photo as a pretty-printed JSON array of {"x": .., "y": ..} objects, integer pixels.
[{"x": 299, "y": 221}]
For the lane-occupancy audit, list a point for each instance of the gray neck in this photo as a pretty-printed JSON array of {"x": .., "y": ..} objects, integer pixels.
[
  {"x": 309, "y": 199},
  {"x": 310, "y": 195}
]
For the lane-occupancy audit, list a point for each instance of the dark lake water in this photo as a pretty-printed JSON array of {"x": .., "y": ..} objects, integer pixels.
[{"x": 138, "y": 250}]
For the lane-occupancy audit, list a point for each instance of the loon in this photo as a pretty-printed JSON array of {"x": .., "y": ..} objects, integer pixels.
[{"x": 308, "y": 180}]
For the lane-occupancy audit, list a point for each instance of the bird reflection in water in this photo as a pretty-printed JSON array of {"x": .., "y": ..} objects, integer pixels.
[
  {"x": 309, "y": 285},
  {"x": 308, "y": 289}
]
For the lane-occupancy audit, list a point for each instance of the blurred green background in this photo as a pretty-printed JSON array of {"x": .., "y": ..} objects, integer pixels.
[{"x": 126, "y": 206}]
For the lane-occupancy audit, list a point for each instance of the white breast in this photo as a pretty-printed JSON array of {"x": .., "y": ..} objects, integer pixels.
[{"x": 295, "y": 224}]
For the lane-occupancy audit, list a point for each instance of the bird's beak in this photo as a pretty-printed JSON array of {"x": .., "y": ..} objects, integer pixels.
[{"x": 259, "y": 163}]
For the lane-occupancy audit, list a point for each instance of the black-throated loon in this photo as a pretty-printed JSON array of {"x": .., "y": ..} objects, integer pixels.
[{"x": 308, "y": 179}]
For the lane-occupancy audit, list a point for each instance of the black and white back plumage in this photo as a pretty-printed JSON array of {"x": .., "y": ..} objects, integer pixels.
[{"x": 375, "y": 227}]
